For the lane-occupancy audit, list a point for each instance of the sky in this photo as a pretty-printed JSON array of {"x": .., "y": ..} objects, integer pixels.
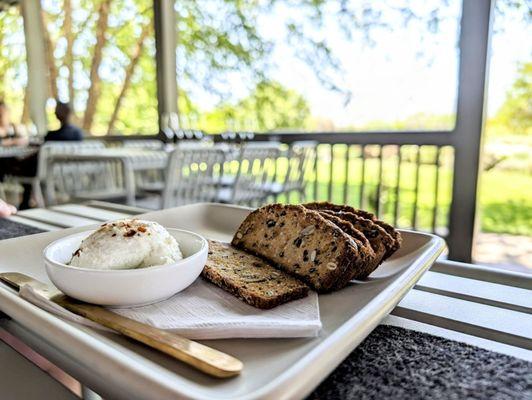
[{"x": 407, "y": 71}]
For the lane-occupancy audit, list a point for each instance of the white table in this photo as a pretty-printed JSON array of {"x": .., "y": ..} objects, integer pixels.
[{"x": 477, "y": 305}]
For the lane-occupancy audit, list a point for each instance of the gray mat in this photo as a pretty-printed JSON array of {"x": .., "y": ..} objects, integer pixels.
[
  {"x": 10, "y": 229},
  {"x": 396, "y": 363}
]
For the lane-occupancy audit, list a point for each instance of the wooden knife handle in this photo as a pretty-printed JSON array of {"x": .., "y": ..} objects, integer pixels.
[{"x": 197, "y": 355}]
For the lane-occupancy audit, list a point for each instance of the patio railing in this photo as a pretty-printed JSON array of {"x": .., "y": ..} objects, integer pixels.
[
  {"x": 408, "y": 185},
  {"x": 403, "y": 177}
]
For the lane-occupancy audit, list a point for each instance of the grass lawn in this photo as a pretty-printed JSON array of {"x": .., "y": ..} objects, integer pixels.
[{"x": 506, "y": 202}]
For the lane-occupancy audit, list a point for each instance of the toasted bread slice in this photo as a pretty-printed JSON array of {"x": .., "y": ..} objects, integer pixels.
[
  {"x": 371, "y": 260},
  {"x": 381, "y": 242},
  {"x": 392, "y": 232},
  {"x": 303, "y": 243},
  {"x": 250, "y": 278}
]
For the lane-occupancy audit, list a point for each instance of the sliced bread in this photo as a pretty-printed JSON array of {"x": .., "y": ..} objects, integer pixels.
[
  {"x": 381, "y": 242},
  {"x": 394, "y": 234},
  {"x": 371, "y": 260},
  {"x": 250, "y": 278},
  {"x": 303, "y": 243}
]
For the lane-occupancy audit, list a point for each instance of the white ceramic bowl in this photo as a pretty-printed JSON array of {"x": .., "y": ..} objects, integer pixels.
[{"x": 127, "y": 287}]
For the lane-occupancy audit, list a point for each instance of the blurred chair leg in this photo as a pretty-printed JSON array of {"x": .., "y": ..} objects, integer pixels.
[
  {"x": 37, "y": 193},
  {"x": 129, "y": 181},
  {"x": 49, "y": 188}
]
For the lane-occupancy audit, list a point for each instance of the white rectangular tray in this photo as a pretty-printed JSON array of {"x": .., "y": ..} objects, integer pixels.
[{"x": 274, "y": 369}]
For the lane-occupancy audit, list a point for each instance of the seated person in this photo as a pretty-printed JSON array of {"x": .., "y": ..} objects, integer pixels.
[
  {"x": 67, "y": 131},
  {"x": 10, "y": 134}
]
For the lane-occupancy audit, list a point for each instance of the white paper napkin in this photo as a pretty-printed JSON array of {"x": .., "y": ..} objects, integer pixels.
[{"x": 204, "y": 311}]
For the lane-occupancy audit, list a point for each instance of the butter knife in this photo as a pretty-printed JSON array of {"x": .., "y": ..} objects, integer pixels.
[{"x": 197, "y": 355}]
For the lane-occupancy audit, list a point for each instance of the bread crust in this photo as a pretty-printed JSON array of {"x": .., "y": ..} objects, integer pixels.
[
  {"x": 380, "y": 240},
  {"x": 392, "y": 232}
]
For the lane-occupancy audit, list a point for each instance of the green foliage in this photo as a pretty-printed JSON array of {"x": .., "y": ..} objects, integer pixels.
[
  {"x": 505, "y": 197},
  {"x": 515, "y": 115},
  {"x": 506, "y": 202},
  {"x": 270, "y": 106},
  {"x": 12, "y": 61}
]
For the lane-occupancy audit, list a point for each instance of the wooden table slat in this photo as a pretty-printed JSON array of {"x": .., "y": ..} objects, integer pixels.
[
  {"x": 489, "y": 322},
  {"x": 21, "y": 379},
  {"x": 115, "y": 207},
  {"x": 90, "y": 212},
  {"x": 56, "y": 218},
  {"x": 498, "y": 295},
  {"x": 484, "y": 273},
  {"x": 36, "y": 224}
]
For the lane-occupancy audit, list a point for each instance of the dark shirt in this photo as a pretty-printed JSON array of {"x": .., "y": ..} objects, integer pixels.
[{"x": 67, "y": 132}]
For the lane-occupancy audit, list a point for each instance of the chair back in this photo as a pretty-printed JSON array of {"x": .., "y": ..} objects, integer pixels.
[
  {"x": 68, "y": 147},
  {"x": 256, "y": 170},
  {"x": 78, "y": 179},
  {"x": 301, "y": 157},
  {"x": 193, "y": 174}
]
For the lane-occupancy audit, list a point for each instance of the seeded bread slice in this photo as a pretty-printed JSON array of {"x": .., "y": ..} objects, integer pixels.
[
  {"x": 302, "y": 243},
  {"x": 381, "y": 242},
  {"x": 369, "y": 260},
  {"x": 250, "y": 278},
  {"x": 326, "y": 206}
]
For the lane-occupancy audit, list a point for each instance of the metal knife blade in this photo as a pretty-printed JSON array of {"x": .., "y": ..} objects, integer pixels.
[
  {"x": 197, "y": 355},
  {"x": 17, "y": 280}
]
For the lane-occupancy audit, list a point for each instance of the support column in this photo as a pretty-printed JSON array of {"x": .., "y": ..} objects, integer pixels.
[
  {"x": 36, "y": 63},
  {"x": 165, "y": 43},
  {"x": 473, "y": 74}
]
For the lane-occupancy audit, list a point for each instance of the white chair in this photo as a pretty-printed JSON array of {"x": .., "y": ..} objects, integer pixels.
[
  {"x": 256, "y": 172},
  {"x": 68, "y": 177},
  {"x": 192, "y": 175},
  {"x": 154, "y": 182},
  {"x": 301, "y": 157},
  {"x": 147, "y": 181},
  {"x": 48, "y": 149}
]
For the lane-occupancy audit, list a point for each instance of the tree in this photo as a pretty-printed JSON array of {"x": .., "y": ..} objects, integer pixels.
[
  {"x": 268, "y": 107},
  {"x": 94, "y": 76},
  {"x": 12, "y": 60},
  {"x": 217, "y": 38},
  {"x": 93, "y": 62},
  {"x": 515, "y": 114},
  {"x": 135, "y": 58},
  {"x": 272, "y": 106}
]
